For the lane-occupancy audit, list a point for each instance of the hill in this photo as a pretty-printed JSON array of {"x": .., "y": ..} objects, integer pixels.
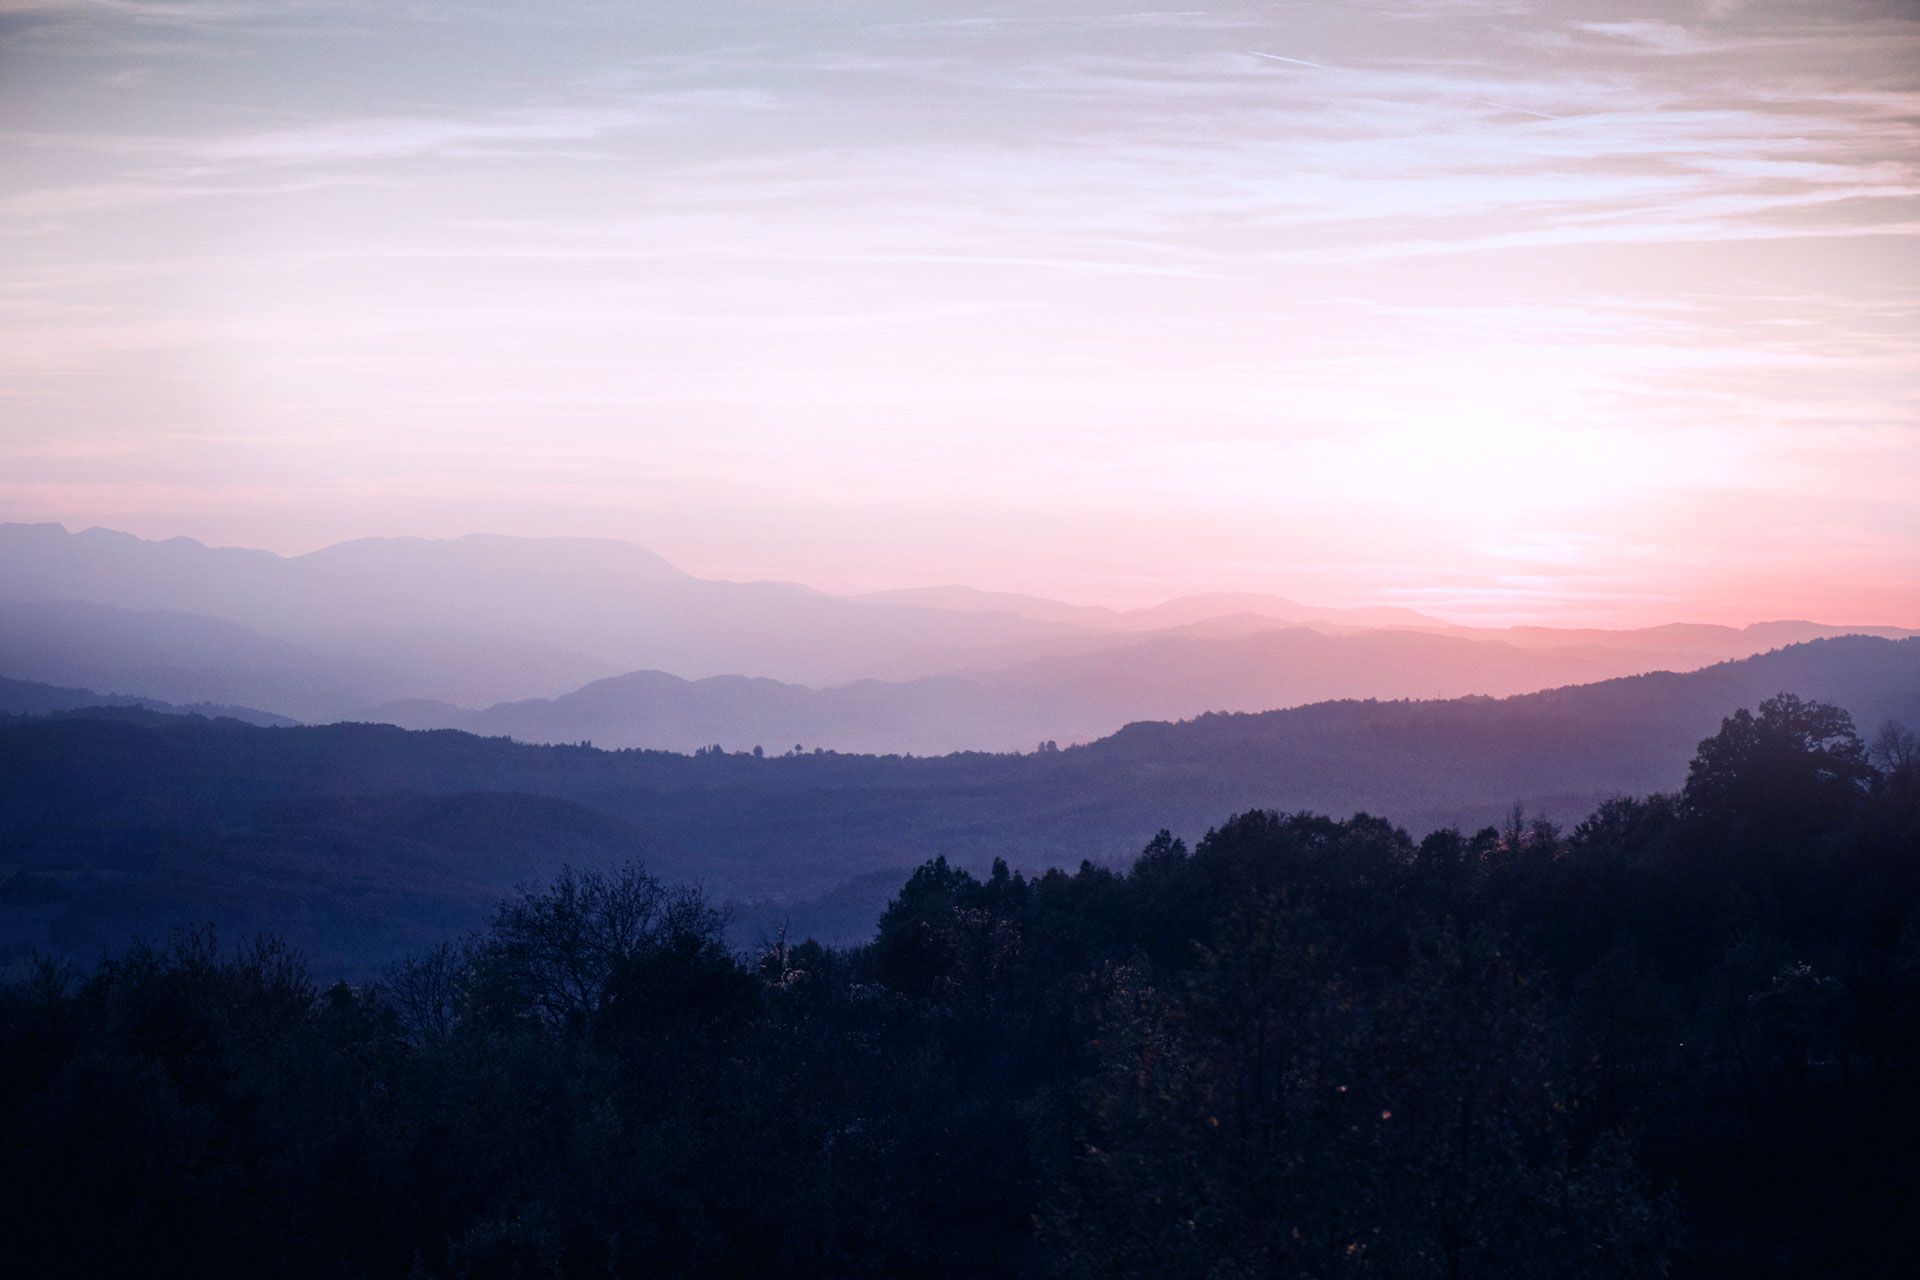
[
  {"x": 384, "y": 627},
  {"x": 187, "y": 657},
  {"x": 117, "y": 813},
  {"x": 1064, "y": 698},
  {"x": 29, "y": 698},
  {"x": 610, "y": 605}
]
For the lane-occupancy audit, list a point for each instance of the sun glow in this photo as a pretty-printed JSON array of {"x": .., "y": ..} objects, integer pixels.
[{"x": 848, "y": 298}]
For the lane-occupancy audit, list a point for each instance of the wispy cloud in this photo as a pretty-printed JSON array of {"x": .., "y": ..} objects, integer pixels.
[{"x": 1295, "y": 256}]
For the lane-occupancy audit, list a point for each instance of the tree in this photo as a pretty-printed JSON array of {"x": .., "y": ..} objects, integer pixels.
[
  {"x": 1795, "y": 767},
  {"x": 1895, "y": 748},
  {"x": 554, "y": 956}
]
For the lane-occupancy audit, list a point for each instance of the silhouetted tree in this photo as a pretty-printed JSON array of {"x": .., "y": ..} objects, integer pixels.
[
  {"x": 1796, "y": 767},
  {"x": 1305, "y": 1046},
  {"x": 554, "y": 955}
]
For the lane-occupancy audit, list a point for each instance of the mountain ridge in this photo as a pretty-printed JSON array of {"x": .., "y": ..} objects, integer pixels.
[
  {"x": 1067, "y": 699},
  {"x": 103, "y": 806},
  {"x": 477, "y": 631},
  {"x": 33, "y": 698}
]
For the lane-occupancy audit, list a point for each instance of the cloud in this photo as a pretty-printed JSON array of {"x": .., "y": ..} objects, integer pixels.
[{"x": 717, "y": 248}]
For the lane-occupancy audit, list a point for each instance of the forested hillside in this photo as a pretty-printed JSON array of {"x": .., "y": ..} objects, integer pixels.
[
  {"x": 1680, "y": 1038},
  {"x": 127, "y": 822}
]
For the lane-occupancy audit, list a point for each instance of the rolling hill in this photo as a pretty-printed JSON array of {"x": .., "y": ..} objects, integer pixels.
[
  {"x": 611, "y": 605},
  {"x": 391, "y": 625},
  {"x": 104, "y": 819}
]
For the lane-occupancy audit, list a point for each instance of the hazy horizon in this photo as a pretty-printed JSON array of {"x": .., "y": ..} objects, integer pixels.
[
  {"x": 912, "y": 593},
  {"x": 1589, "y": 315}
]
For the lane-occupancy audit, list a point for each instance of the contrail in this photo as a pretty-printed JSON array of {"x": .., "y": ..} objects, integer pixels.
[
  {"x": 1503, "y": 106},
  {"x": 1298, "y": 62},
  {"x": 1498, "y": 106}
]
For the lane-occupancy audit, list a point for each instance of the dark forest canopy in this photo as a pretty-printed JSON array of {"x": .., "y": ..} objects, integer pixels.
[
  {"x": 1681, "y": 1038},
  {"x": 360, "y": 843}
]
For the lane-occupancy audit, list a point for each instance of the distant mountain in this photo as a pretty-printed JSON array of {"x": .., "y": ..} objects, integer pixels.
[
  {"x": 1066, "y": 698},
  {"x": 180, "y": 657},
  {"x": 961, "y": 599},
  {"x": 45, "y": 562},
  {"x": 1190, "y": 609},
  {"x": 611, "y": 605},
  {"x": 1671, "y": 647},
  {"x": 390, "y": 627},
  {"x": 106, "y": 820},
  {"x": 188, "y": 657},
  {"x": 1175, "y": 677},
  {"x": 30, "y": 698},
  {"x": 931, "y": 716},
  {"x": 1677, "y": 646},
  {"x": 1181, "y": 612}
]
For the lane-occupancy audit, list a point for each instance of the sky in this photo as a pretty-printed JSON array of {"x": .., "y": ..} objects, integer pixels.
[{"x": 1575, "y": 313}]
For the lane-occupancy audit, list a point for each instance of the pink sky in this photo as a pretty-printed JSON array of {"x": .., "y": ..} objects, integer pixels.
[{"x": 1599, "y": 314}]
